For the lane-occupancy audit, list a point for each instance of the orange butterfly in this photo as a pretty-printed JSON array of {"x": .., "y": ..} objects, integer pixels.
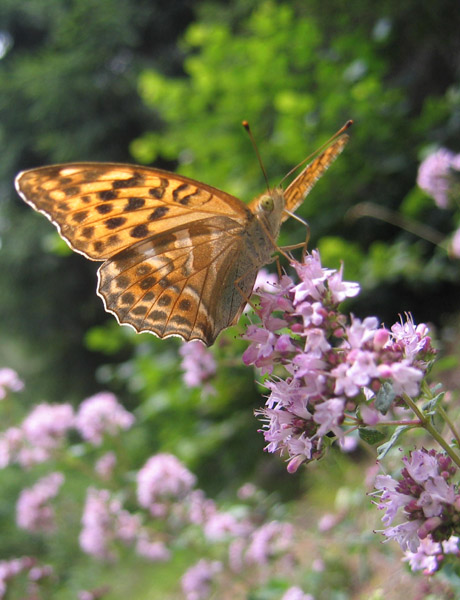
[{"x": 180, "y": 257}]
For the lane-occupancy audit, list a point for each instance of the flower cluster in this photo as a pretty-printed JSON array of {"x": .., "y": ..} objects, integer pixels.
[
  {"x": 26, "y": 565},
  {"x": 439, "y": 177},
  {"x": 198, "y": 365},
  {"x": 161, "y": 480},
  {"x": 105, "y": 522},
  {"x": 9, "y": 382},
  {"x": 426, "y": 499},
  {"x": 101, "y": 414},
  {"x": 45, "y": 428},
  {"x": 435, "y": 175},
  {"x": 33, "y": 511},
  {"x": 328, "y": 370}
]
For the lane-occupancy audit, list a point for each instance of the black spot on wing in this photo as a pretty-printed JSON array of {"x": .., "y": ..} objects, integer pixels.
[{"x": 108, "y": 195}]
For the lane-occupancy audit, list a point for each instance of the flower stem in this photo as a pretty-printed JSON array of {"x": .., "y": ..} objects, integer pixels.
[
  {"x": 451, "y": 426},
  {"x": 426, "y": 424}
]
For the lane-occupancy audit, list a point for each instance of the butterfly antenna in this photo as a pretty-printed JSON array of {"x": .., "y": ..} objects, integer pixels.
[
  {"x": 254, "y": 145},
  {"x": 347, "y": 125}
]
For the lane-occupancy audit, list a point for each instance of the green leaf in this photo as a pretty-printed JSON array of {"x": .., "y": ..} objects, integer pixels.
[
  {"x": 384, "y": 398},
  {"x": 371, "y": 436},
  {"x": 383, "y": 450}
]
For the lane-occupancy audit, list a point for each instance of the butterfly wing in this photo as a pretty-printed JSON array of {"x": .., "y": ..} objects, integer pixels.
[
  {"x": 191, "y": 281},
  {"x": 174, "y": 248},
  {"x": 102, "y": 208},
  {"x": 297, "y": 191}
]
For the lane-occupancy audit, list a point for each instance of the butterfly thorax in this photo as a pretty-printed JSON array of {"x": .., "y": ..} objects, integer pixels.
[{"x": 268, "y": 209}]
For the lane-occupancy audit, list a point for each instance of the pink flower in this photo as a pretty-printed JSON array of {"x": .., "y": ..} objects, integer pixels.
[
  {"x": 296, "y": 593},
  {"x": 99, "y": 415},
  {"x": 325, "y": 359},
  {"x": 155, "y": 551},
  {"x": 455, "y": 244},
  {"x": 33, "y": 511},
  {"x": 329, "y": 416},
  {"x": 224, "y": 525},
  {"x": 198, "y": 364},
  {"x": 435, "y": 175},
  {"x": 429, "y": 554},
  {"x": 197, "y": 580},
  {"x": 424, "y": 498},
  {"x": 163, "y": 478},
  {"x": 9, "y": 382},
  {"x": 105, "y": 521},
  {"x": 268, "y": 541},
  {"x": 105, "y": 465},
  {"x": 47, "y": 425}
]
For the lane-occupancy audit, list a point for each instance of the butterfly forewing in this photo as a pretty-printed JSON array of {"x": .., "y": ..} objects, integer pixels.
[
  {"x": 101, "y": 208},
  {"x": 296, "y": 192}
]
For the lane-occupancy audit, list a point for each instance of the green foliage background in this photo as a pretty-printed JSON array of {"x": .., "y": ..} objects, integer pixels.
[{"x": 168, "y": 85}]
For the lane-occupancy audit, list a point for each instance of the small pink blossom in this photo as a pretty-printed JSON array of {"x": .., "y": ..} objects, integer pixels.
[
  {"x": 268, "y": 541},
  {"x": 100, "y": 415},
  {"x": 429, "y": 554},
  {"x": 424, "y": 498},
  {"x": 329, "y": 416},
  {"x": 163, "y": 478},
  {"x": 155, "y": 551},
  {"x": 9, "y": 382},
  {"x": 296, "y": 593},
  {"x": 455, "y": 244},
  {"x": 197, "y": 581},
  {"x": 224, "y": 525},
  {"x": 47, "y": 425},
  {"x": 104, "y": 521},
  {"x": 198, "y": 364},
  {"x": 105, "y": 465},
  {"x": 33, "y": 511},
  {"x": 435, "y": 175}
]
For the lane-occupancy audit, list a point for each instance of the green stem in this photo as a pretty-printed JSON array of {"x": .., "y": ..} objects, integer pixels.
[
  {"x": 451, "y": 426},
  {"x": 425, "y": 423}
]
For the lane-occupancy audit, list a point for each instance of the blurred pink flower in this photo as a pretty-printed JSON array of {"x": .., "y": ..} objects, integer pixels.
[
  {"x": 455, "y": 244},
  {"x": 435, "y": 175},
  {"x": 268, "y": 541},
  {"x": 197, "y": 580},
  {"x": 296, "y": 593},
  {"x": 104, "y": 521},
  {"x": 101, "y": 414},
  {"x": 163, "y": 478},
  {"x": 155, "y": 551},
  {"x": 9, "y": 382},
  {"x": 47, "y": 425},
  {"x": 12, "y": 568},
  {"x": 224, "y": 525},
  {"x": 33, "y": 511},
  {"x": 198, "y": 365},
  {"x": 105, "y": 465}
]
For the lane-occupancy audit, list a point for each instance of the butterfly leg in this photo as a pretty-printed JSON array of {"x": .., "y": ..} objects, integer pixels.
[{"x": 303, "y": 245}]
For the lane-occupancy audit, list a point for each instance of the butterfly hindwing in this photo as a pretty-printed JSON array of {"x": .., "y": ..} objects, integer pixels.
[{"x": 167, "y": 284}]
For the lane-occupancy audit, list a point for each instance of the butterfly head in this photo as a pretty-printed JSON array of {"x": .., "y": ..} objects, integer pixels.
[{"x": 269, "y": 208}]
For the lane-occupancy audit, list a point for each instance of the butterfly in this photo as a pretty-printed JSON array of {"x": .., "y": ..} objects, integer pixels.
[{"x": 180, "y": 257}]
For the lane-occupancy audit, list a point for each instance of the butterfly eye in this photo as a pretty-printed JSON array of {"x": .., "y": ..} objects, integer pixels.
[{"x": 266, "y": 204}]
